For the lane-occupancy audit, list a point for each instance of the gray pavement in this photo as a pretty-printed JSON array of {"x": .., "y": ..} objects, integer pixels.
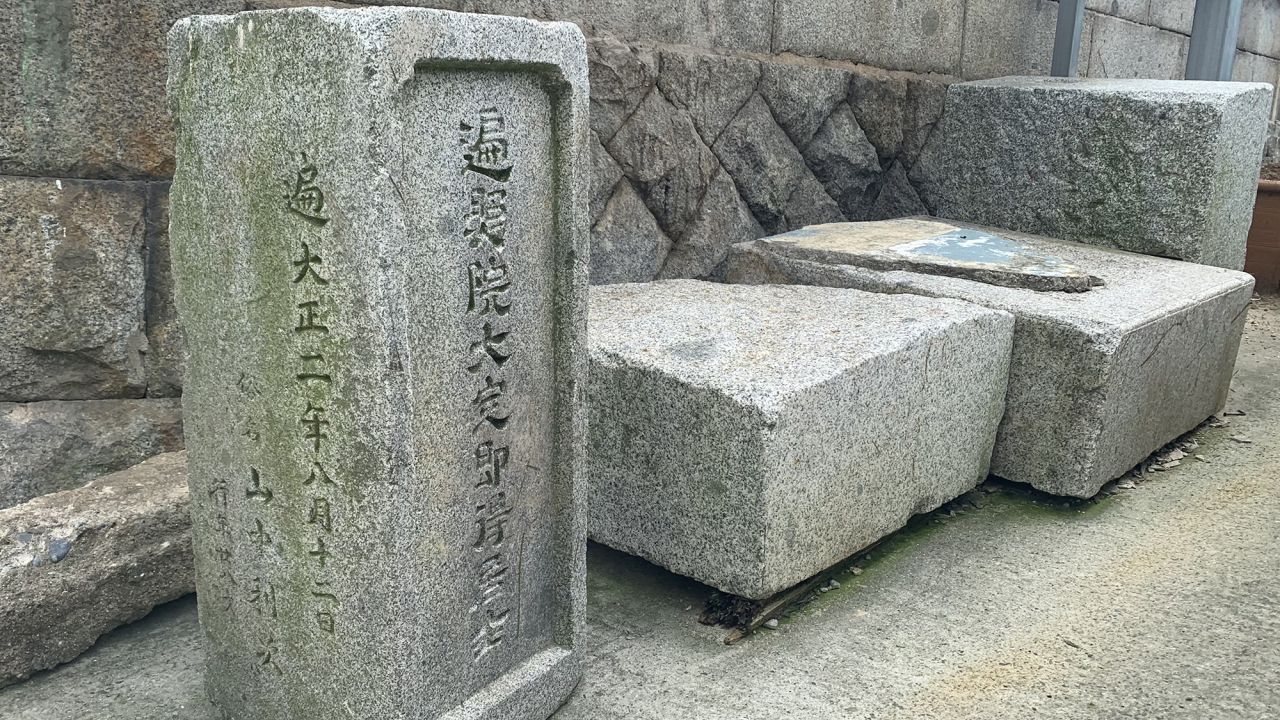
[{"x": 1161, "y": 601}]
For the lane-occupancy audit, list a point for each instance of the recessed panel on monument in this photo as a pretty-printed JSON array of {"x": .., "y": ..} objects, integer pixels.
[{"x": 380, "y": 250}]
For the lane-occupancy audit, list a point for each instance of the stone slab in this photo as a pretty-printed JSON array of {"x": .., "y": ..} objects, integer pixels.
[
  {"x": 82, "y": 86},
  {"x": 935, "y": 248},
  {"x": 72, "y": 269},
  {"x": 380, "y": 250},
  {"x": 58, "y": 445},
  {"x": 750, "y": 437},
  {"x": 1099, "y": 379},
  {"x": 1156, "y": 167},
  {"x": 1117, "y": 48},
  {"x": 75, "y": 564},
  {"x": 917, "y": 35}
]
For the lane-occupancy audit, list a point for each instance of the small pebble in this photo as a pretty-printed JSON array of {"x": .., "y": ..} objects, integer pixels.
[
  {"x": 855, "y": 570},
  {"x": 835, "y": 584},
  {"x": 771, "y": 623}
]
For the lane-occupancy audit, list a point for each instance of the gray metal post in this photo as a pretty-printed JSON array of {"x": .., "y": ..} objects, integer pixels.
[
  {"x": 1213, "y": 40},
  {"x": 1066, "y": 43}
]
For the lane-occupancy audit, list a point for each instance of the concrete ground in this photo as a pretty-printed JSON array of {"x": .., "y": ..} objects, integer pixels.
[{"x": 1160, "y": 601}]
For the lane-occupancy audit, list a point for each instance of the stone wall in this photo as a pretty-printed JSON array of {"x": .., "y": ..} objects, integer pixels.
[{"x": 713, "y": 121}]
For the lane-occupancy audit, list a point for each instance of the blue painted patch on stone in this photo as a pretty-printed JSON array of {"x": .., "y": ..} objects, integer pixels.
[{"x": 975, "y": 246}]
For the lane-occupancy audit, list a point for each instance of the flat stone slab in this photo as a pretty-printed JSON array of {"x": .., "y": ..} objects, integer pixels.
[
  {"x": 1159, "y": 167},
  {"x": 75, "y": 564},
  {"x": 750, "y": 437},
  {"x": 936, "y": 248},
  {"x": 62, "y": 444},
  {"x": 1099, "y": 379}
]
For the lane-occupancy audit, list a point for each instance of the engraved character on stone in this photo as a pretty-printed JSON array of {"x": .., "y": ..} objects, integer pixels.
[
  {"x": 490, "y": 636},
  {"x": 487, "y": 400},
  {"x": 307, "y": 265},
  {"x": 308, "y": 319},
  {"x": 256, "y": 489},
  {"x": 311, "y": 365},
  {"x": 307, "y": 199},
  {"x": 489, "y": 281},
  {"x": 487, "y": 218},
  {"x": 491, "y": 521},
  {"x": 314, "y": 423},
  {"x": 320, "y": 514},
  {"x": 485, "y": 145},
  {"x": 262, "y": 597},
  {"x": 491, "y": 460},
  {"x": 492, "y": 348},
  {"x": 318, "y": 476},
  {"x": 493, "y": 580}
]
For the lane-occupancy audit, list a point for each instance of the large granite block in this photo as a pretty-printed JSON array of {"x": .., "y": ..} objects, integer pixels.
[
  {"x": 72, "y": 275},
  {"x": 918, "y": 35},
  {"x": 82, "y": 86},
  {"x": 379, "y": 243},
  {"x": 1156, "y": 167},
  {"x": 75, "y": 564},
  {"x": 752, "y": 437},
  {"x": 1114, "y": 354},
  {"x": 58, "y": 444}
]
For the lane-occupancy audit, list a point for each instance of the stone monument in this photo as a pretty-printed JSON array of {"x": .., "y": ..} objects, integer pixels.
[{"x": 380, "y": 253}]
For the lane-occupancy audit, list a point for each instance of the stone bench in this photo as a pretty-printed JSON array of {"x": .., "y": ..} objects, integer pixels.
[
  {"x": 750, "y": 437},
  {"x": 1114, "y": 354}
]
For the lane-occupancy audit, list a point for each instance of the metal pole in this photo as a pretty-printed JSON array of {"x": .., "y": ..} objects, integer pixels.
[
  {"x": 1213, "y": 39},
  {"x": 1066, "y": 43}
]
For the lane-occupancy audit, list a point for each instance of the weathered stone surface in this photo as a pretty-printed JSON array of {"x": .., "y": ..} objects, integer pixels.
[
  {"x": 380, "y": 252},
  {"x": 1161, "y": 168},
  {"x": 1175, "y": 15},
  {"x": 72, "y": 263},
  {"x": 1136, "y": 10},
  {"x": 770, "y": 172},
  {"x": 58, "y": 445},
  {"x": 741, "y": 25},
  {"x": 164, "y": 337},
  {"x": 1099, "y": 379},
  {"x": 844, "y": 161},
  {"x": 802, "y": 97},
  {"x": 897, "y": 113},
  {"x": 1123, "y": 49},
  {"x": 934, "y": 247},
  {"x": 1259, "y": 28},
  {"x": 682, "y": 183},
  {"x": 918, "y": 35},
  {"x": 626, "y": 243},
  {"x": 75, "y": 564},
  {"x": 82, "y": 86},
  {"x": 897, "y": 196},
  {"x": 621, "y": 78},
  {"x": 711, "y": 88},
  {"x": 605, "y": 175},
  {"x": 752, "y": 437},
  {"x": 1009, "y": 37}
]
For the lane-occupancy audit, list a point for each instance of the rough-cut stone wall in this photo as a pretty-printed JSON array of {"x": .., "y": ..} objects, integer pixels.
[
  {"x": 713, "y": 121},
  {"x": 695, "y": 151}
]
